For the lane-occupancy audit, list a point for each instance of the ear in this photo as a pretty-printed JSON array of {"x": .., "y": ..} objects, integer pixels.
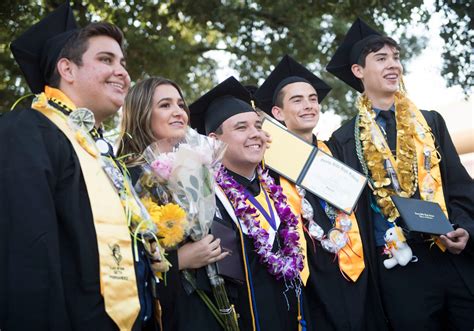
[
  {"x": 66, "y": 70},
  {"x": 213, "y": 135},
  {"x": 358, "y": 71},
  {"x": 277, "y": 112}
]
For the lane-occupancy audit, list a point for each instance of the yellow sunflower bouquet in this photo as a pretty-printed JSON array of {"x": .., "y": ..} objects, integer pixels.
[{"x": 170, "y": 220}]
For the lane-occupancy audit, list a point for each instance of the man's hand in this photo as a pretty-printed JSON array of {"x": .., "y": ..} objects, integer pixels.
[
  {"x": 268, "y": 138},
  {"x": 455, "y": 241}
]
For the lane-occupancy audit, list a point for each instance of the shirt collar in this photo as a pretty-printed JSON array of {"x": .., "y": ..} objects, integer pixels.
[
  {"x": 253, "y": 186},
  {"x": 377, "y": 110}
]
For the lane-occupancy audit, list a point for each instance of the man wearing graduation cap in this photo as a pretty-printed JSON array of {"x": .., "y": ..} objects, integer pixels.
[
  {"x": 407, "y": 152},
  {"x": 65, "y": 246},
  {"x": 341, "y": 290},
  {"x": 253, "y": 206}
]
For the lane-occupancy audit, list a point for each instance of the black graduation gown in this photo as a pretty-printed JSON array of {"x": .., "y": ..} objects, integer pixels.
[
  {"x": 458, "y": 191},
  {"x": 182, "y": 311},
  {"x": 49, "y": 274},
  {"x": 275, "y": 311},
  {"x": 336, "y": 303}
]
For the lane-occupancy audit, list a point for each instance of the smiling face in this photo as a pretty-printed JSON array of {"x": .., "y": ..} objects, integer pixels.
[
  {"x": 300, "y": 108},
  {"x": 246, "y": 142},
  {"x": 381, "y": 73},
  {"x": 101, "y": 82},
  {"x": 168, "y": 118}
]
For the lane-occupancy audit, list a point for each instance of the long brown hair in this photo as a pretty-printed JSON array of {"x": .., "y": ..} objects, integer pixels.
[{"x": 136, "y": 133}]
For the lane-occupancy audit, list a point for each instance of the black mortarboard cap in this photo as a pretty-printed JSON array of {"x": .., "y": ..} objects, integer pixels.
[
  {"x": 227, "y": 99},
  {"x": 36, "y": 51},
  {"x": 252, "y": 89},
  {"x": 349, "y": 51},
  {"x": 288, "y": 71}
]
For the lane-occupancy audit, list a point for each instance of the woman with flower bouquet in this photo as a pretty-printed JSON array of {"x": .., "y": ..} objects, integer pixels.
[
  {"x": 155, "y": 112},
  {"x": 249, "y": 202}
]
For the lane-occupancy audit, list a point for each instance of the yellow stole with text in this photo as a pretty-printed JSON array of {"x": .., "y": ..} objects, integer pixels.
[{"x": 117, "y": 271}]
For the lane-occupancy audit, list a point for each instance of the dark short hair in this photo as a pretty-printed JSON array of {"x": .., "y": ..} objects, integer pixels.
[
  {"x": 78, "y": 44},
  {"x": 219, "y": 130},
  {"x": 279, "y": 98},
  {"x": 374, "y": 45}
]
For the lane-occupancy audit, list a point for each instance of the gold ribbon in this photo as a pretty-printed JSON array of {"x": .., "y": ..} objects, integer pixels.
[{"x": 117, "y": 272}]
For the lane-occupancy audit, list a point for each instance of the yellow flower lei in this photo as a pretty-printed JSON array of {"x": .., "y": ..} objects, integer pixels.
[{"x": 376, "y": 151}]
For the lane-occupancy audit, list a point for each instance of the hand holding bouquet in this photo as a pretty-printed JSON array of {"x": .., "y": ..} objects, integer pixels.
[{"x": 187, "y": 173}]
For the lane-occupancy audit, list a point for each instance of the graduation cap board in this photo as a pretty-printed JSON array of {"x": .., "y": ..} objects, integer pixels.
[
  {"x": 311, "y": 168},
  {"x": 349, "y": 51},
  {"x": 36, "y": 51},
  {"x": 287, "y": 71},
  {"x": 422, "y": 216},
  {"x": 227, "y": 99}
]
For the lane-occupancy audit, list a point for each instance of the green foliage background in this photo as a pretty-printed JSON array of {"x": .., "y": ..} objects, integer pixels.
[{"x": 174, "y": 38}]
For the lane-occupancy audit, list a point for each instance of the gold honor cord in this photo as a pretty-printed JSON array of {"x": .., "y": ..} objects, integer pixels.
[{"x": 117, "y": 272}]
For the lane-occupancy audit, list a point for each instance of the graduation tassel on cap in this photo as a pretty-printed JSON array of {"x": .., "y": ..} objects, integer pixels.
[{"x": 252, "y": 103}]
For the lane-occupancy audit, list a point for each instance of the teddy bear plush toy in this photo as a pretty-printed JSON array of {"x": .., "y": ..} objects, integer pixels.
[{"x": 397, "y": 248}]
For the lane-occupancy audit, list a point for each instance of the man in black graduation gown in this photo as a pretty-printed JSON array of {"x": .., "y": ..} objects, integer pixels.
[
  {"x": 436, "y": 292},
  {"x": 60, "y": 269},
  {"x": 292, "y": 95},
  {"x": 262, "y": 301}
]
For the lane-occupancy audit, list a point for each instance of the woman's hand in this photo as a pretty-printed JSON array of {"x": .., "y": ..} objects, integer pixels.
[{"x": 193, "y": 255}]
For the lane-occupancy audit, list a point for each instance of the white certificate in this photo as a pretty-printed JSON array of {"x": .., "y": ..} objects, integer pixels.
[
  {"x": 333, "y": 181},
  {"x": 306, "y": 165}
]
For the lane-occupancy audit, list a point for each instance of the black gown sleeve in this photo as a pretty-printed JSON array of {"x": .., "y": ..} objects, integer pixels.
[{"x": 49, "y": 274}]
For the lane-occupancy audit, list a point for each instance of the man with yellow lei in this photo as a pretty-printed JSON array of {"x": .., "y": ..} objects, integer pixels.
[
  {"x": 339, "y": 284},
  {"x": 407, "y": 152},
  {"x": 66, "y": 250}
]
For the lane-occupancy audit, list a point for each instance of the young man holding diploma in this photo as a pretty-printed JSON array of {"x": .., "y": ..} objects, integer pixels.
[
  {"x": 340, "y": 283},
  {"x": 407, "y": 152}
]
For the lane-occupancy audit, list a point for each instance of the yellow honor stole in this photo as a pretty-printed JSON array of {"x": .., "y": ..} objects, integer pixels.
[
  {"x": 117, "y": 271},
  {"x": 269, "y": 209},
  {"x": 351, "y": 259},
  {"x": 294, "y": 201}
]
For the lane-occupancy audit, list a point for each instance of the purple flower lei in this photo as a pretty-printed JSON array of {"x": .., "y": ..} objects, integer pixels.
[{"x": 287, "y": 262}]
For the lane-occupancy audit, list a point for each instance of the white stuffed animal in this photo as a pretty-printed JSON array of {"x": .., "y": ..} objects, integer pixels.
[{"x": 398, "y": 250}]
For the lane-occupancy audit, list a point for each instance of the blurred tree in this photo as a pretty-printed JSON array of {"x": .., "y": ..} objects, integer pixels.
[{"x": 176, "y": 38}]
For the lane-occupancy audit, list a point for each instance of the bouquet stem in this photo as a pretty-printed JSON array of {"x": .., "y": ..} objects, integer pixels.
[
  {"x": 204, "y": 297},
  {"x": 226, "y": 310}
]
